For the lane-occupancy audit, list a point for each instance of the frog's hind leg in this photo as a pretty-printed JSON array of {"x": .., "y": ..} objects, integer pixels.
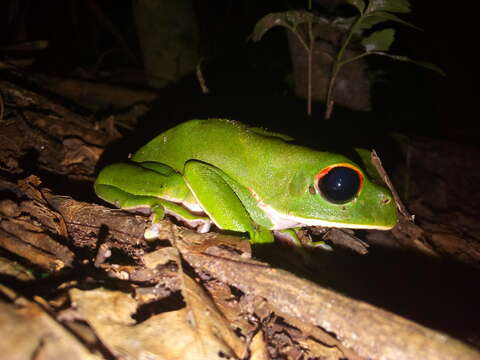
[
  {"x": 127, "y": 201},
  {"x": 158, "y": 189},
  {"x": 220, "y": 201}
]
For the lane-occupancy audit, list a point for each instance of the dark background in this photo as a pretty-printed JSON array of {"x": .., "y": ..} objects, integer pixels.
[{"x": 249, "y": 81}]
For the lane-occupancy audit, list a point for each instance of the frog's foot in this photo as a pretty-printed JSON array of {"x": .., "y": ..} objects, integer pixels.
[
  {"x": 288, "y": 235},
  {"x": 152, "y": 232},
  {"x": 291, "y": 236},
  {"x": 321, "y": 244},
  {"x": 261, "y": 235},
  {"x": 199, "y": 223}
]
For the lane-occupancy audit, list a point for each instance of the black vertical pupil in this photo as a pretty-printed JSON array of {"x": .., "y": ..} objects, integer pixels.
[{"x": 340, "y": 185}]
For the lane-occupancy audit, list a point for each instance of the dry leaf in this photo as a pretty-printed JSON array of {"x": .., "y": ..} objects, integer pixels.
[
  {"x": 210, "y": 327},
  {"x": 30, "y": 333},
  {"x": 196, "y": 332}
]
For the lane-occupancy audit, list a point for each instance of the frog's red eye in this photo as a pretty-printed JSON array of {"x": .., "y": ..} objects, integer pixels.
[{"x": 339, "y": 183}]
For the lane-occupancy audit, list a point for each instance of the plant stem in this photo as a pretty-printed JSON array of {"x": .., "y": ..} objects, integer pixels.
[
  {"x": 310, "y": 59},
  {"x": 329, "y": 101},
  {"x": 346, "y": 61},
  {"x": 337, "y": 64}
]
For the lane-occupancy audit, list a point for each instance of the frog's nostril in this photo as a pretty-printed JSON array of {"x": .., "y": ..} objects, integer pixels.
[{"x": 386, "y": 200}]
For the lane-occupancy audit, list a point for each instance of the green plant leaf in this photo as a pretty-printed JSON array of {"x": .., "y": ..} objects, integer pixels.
[
  {"x": 359, "y": 4},
  {"x": 398, "y": 6},
  {"x": 288, "y": 19},
  {"x": 378, "y": 17},
  {"x": 424, "y": 64},
  {"x": 379, "y": 40}
]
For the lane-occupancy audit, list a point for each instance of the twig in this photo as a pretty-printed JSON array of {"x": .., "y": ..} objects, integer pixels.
[
  {"x": 201, "y": 79},
  {"x": 377, "y": 163}
]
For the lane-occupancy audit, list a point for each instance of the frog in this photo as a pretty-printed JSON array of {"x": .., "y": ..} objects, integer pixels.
[{"x": 246, "y": 180}]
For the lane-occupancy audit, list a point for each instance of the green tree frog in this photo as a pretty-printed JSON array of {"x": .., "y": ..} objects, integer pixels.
[{"x": 245, "y": 179}]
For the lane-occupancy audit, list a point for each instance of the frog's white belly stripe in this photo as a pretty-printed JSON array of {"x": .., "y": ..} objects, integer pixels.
[
  {"x": 282, "y": 221},
  {"x": 194, "y": 207},
  {"x": 279, "y": 220}
]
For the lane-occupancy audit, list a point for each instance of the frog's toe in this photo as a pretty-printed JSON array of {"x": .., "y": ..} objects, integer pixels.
[
  {"x": 203, "y": 225},
  {"x": 152, "y": 232}
]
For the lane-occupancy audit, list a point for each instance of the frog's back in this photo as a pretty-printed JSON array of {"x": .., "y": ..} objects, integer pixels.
[{"x": 216, "y": 141}]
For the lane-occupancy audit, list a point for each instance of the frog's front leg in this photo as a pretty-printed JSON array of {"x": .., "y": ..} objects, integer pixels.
[
  {"x": 220, "y": 201},
  {"x": 156, "y": 188}
]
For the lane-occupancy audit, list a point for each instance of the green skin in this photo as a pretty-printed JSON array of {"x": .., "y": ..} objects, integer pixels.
[{"x": 242, "y": 179}]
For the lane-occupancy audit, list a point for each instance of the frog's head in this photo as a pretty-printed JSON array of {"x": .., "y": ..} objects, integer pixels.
[{"x": 337, "y": 193}]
